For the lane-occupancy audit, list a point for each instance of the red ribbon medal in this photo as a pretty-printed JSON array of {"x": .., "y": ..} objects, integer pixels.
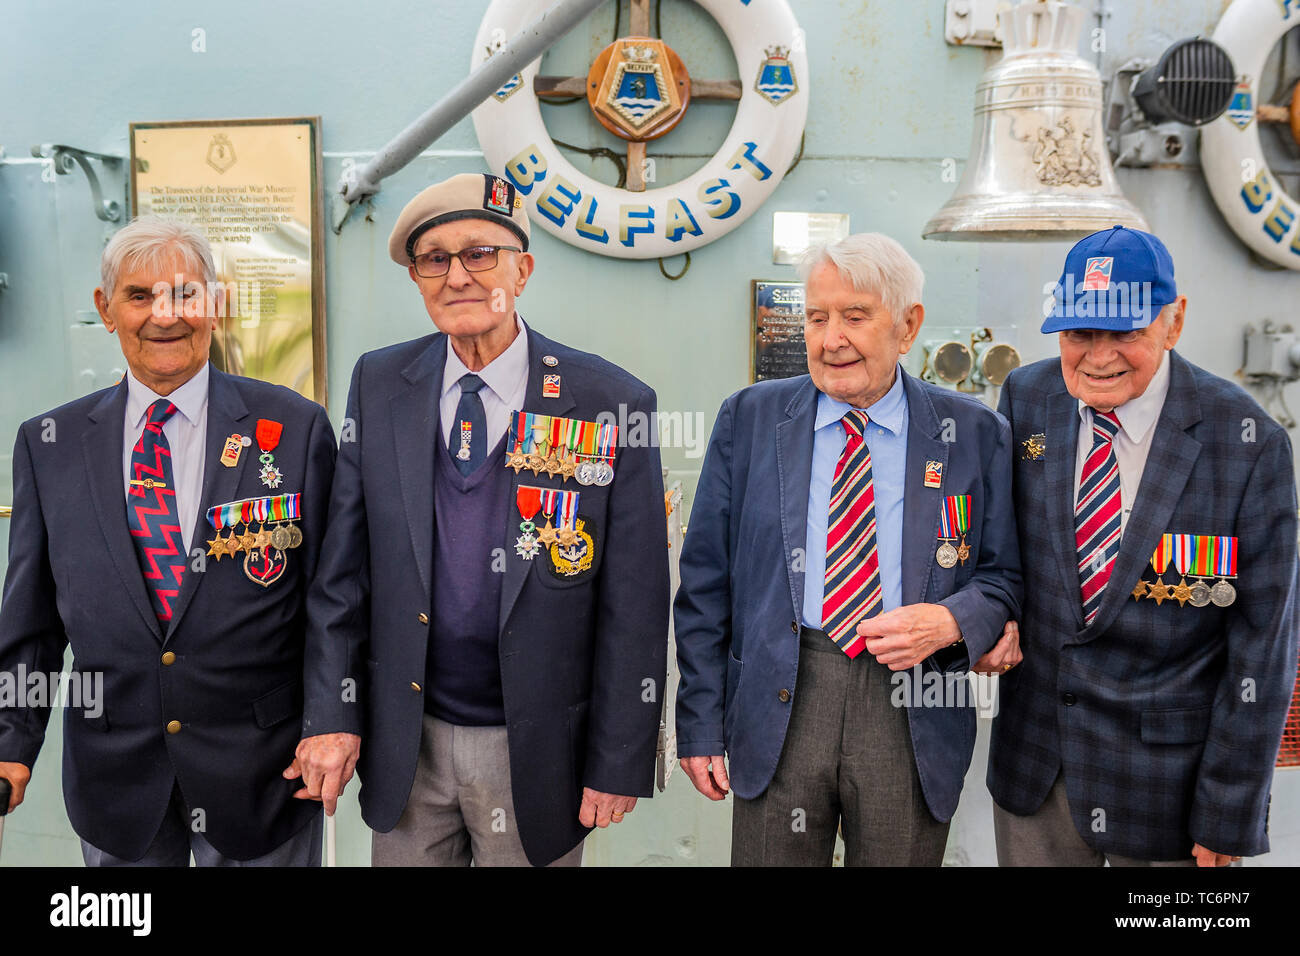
[{"x": 268, "y": 437}]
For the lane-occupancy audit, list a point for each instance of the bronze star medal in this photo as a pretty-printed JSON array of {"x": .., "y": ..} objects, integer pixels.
[
  {"x": 547, "y": 536},
  {"x": 217, "y": 547},
  {"x": 1160, "y": 592},
  {"x": 1182, "y": 592},
  {"x": 1160, "y": 558},
  {"x": 1140, "y": 590},
  {"x": 262, "y": 539}
]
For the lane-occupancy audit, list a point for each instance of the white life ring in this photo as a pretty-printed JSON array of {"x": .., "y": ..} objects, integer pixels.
[
  {"x": 672, "y": 219},
  {"x": 1260, "y": 212}
]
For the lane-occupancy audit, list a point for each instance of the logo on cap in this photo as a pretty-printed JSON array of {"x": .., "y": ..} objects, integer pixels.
[
  {"x": 498, "y": 198},
  {"x": 1096, "y": 273}
]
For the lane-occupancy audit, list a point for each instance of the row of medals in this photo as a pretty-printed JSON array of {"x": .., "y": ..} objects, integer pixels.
[
  {"x": 1221, "y": 594},
  {"x": 591, "y": 472},
  {"x": 948, "y": 555},
  {"x": 282, "y": 537}
]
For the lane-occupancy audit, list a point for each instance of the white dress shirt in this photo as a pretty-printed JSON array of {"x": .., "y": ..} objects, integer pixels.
[
  {"x": 1137, "y": 419},
  {"x": 505, "y": 381},
  {"x": 186, "y": 433}
]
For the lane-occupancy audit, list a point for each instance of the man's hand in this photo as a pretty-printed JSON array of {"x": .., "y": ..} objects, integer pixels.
[
  {"x": 1206, "y": 857},
  {"x": 17, "y": 774},
  {"x": 325, "y": 764},
  {"x": 1004, "y": 655},
  {"x": 709, "y": 774},
  {"x": 905, "y": 636},
  {"x": 598, "y": 809}
]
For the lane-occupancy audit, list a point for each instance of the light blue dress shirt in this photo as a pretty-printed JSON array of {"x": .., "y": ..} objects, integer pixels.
[{"x": 887, "y": 441}]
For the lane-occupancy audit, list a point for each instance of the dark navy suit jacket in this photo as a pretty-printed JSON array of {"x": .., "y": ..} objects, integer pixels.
[
  {"x": 739, "y": 605},
  {"x": 583, "y": 658},
  {"x": 1164, "y": 719},
  {"x": 236, "y": 682}
]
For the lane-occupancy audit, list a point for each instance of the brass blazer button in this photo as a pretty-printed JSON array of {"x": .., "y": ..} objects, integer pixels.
[
  {"x": 424, "y": 618},
  {"x": 794, "y": 627},
  {"x": 415, "y": 687},
  {"x": 783, "y": 695},
  {"x": 168, "y": 659},
  {"x": 173, "y": 726}
]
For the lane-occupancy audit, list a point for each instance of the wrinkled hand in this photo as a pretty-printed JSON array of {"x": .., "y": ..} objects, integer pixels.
[
  {"x": 905, "y": 636},
  {"x": 709, "y": 774},
  {"x": 599, "y": 809},
  {"x": 1206, "y": 857},
  {"x": 325, "y": 764},
  {"x": 1004, "y": 655},
  {"x": 17, "y": 774}
]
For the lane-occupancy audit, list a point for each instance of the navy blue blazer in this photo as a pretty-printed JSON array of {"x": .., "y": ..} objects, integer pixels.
[
  {"x": 1165, "y": 720},
  {"x": 235, "y": 684},
  {"x": 739, "y": 605},
  {"x": 583, "y": 658}
]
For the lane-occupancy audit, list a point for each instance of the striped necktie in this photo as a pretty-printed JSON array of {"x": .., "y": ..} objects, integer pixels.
[
  {"x": 1097, "y": 514},
  {"x": 852, "y": 567},
  {"x": 151, "y": 513}
]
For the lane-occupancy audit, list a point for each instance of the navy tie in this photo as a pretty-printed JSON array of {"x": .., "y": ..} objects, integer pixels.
[
  {"x": 151, "y": 513},
  {"x": 468, "y": 440}
]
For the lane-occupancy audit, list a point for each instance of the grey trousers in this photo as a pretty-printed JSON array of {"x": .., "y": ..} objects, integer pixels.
[
  {"x": 461, "y": 808},
  {"x": 1048, "y": 837},
  {"x": 176, "y": 840},
  {"x": 847, "y": 759}
]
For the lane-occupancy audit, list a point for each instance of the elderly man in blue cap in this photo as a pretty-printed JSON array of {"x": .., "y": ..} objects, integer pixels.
[{"x": 1157, "y": 521}]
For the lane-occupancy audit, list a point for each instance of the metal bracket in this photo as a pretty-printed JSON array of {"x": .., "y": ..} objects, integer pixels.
[
  {"x": 974, "y": 22},
  {"x": 63, "y": 158},
  {"x": 360, "y": 182}
]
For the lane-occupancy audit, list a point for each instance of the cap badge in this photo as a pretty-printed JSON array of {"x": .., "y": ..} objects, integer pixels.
[
  {"x": 498, "y": 198},
  {"x": 1096, "y": 273}
]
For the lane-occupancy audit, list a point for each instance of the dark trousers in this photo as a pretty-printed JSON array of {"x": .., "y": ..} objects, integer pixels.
[
  {"x": 847, "y": 760},
  {"x": 177, "y": 839},
  {"x": 1048, "y": 837}
]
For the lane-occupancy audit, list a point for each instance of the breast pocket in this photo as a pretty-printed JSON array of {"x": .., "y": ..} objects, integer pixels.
[{"x": 567, "y": 564}]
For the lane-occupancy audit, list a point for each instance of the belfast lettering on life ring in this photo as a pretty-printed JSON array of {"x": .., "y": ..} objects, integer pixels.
[
  {"x": 668, "y": 220},
  {"x": 1250, "y": 197}
]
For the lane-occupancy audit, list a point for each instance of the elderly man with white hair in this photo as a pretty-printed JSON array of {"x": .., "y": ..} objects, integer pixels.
[
  {"x": 852, "y": 509},
  {"x": 186, "y": 700}
]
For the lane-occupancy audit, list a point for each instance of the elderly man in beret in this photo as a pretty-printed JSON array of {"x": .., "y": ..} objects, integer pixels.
[
  {"x": 1157, "y": 516},
  {"x": 489, "y": 625}
]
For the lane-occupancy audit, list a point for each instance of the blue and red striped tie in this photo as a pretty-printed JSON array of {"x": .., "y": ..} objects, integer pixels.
[
  {"x": 852, "y": 566},
  {"x": 1097, "y": 514},
  {"x": 151, "y": 513}
]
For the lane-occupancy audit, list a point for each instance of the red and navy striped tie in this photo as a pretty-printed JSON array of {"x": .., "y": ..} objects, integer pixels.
[
  {"x": 852, "y": 566},
  {"x": 1097, "y": 513},
  {"x": 151, "y": 512}
]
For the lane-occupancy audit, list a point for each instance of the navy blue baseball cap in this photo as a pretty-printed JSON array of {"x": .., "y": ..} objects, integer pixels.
[{"x": 1116, "y": 280}]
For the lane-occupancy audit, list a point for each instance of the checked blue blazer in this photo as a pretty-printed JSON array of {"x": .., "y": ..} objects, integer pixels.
[{"x": 1165, "y": 720}]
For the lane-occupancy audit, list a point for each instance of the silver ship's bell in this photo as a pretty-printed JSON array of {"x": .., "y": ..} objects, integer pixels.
[{"x": 1039, "y": 168}]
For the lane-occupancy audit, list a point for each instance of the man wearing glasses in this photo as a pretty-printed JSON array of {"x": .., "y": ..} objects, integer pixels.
[
  {"x": 488, "y": 629},
  {"x": 1157, "y": 518}
]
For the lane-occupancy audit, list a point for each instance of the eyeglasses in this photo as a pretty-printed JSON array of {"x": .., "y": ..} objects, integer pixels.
[
  {"x": 431, "y": 265},
  {"x": 1088, "y": 336}
]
